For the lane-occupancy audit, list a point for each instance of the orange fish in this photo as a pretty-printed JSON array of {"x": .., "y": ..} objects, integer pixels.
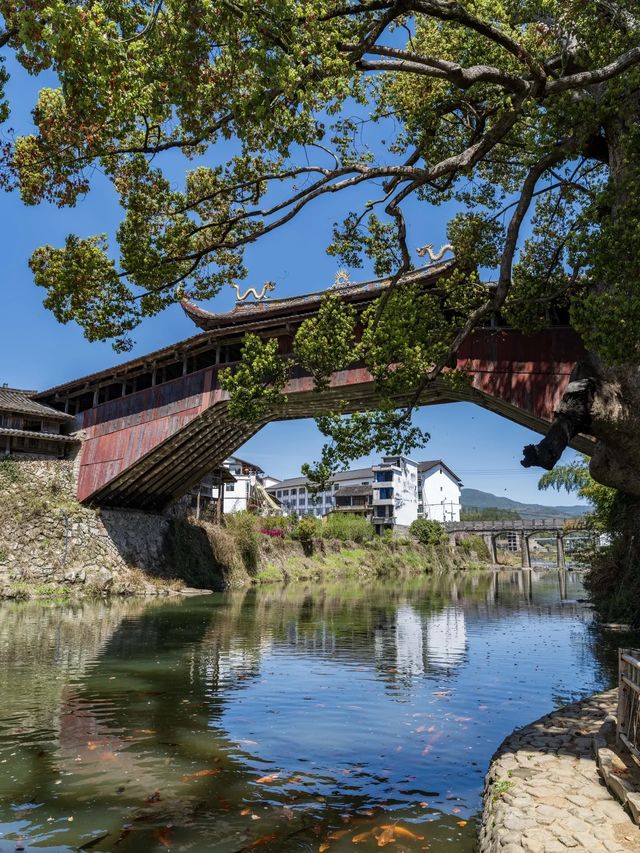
[
  {"x": 402, "y": 832},
  {"x": 264, "y": 839},
  {"x": 387, "y": 836},
  {"x": 211, "y": 771},
  {"x": 163, "y": 836},
  {"x": 265, "y": 780},
  {"x": 337, "y": 834},
  {"x": 362, "y": 836}
]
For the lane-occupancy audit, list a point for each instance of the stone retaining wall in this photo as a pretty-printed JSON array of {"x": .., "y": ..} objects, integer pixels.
[
  {"x": 46, "y": 536},
  {"x": 543, "y": 793}
]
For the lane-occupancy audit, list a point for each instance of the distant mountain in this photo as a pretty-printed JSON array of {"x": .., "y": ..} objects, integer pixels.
[{"x": 481, "y": 500}]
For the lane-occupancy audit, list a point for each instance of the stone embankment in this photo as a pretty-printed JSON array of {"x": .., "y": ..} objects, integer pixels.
[
  {"x": 543, "y": 793},
  {"x": 50, "y": 541}
]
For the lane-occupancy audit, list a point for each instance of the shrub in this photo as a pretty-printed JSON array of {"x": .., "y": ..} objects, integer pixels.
[
  {"x": 476, "y": 545},
  {"x": 307, "y": 529},
  {"x": 274, "y": 532},
  {"x": 9, "y": 471},
  {"x": 427, "y": 531},
  {"x": 243, "y": 526},
  {"x": 352, "y": 528},
  {"x": 387, "y": 536}
]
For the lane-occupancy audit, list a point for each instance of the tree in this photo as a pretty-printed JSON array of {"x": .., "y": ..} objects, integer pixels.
[
  {"x": 575, "y": 479},
  {"x": 427, "y": 531},
  {"x": 613, "y": 576},
  {"x": 525, "y": 112},
  {"x": 486, "y": 513}
]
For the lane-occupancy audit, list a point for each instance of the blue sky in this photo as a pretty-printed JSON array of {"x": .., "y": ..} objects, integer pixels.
[{"x": 37, "y": 352}]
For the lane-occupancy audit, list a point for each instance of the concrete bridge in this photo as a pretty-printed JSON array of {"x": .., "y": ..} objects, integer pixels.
[
  {"x": 154, "y": 426},
  {"x": 524, "y": 529}
]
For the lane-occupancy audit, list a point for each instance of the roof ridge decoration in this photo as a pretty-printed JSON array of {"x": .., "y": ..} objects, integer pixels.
[
  {"x": 342, "y": 279},
  {"x": 261, "y": 308},
  {"x": 427, "y": 249},
  {"x": 242, "y": 297}
]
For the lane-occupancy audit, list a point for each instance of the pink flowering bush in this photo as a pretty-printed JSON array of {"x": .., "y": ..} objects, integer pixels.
[{"x": 272, "y": 531}]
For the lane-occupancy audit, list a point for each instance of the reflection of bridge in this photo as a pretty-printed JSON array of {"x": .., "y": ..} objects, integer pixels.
[
  {"x": 524, "y": 528},
  {"x": 154, "y": 426}
]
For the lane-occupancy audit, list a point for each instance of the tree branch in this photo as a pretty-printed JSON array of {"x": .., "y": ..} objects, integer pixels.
[
  {"x": 598, "y": 75},
  {"x": 6, "y": 36},
  {"x": 431, "y": 67},
  {"x": 452, "y": 11}
]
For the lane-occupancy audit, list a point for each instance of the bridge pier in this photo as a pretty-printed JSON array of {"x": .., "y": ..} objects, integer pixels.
[
  {"x": 526, "y": 551},
  {"x": 562, "y": 581},
  {"x": 490, "y": 540},
  {"x": 561, "y": 559}
]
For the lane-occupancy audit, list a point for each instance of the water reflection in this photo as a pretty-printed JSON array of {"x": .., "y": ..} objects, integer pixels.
[{"x": 284, "y": 718}]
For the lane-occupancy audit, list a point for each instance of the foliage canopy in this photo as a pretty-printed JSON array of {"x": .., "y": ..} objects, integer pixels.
[{"x": 518, "y": 110}]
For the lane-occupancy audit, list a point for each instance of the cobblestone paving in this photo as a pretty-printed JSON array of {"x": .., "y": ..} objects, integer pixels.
[{"x": 543, "y": 793}]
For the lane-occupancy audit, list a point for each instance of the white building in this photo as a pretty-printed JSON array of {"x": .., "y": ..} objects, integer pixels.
[
  {"x": 438, "y": 491},
  {"x": 243, "y": 484},
  {"x": 402, "y": 490},
  {"x": 395, "y": 493},
  {"x": 294, "y": 494}
]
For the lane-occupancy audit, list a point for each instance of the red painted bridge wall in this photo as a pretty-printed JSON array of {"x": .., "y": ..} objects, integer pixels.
[{"x": 529, "y": 373}]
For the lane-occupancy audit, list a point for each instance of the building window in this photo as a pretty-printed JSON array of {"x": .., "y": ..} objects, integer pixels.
[{"x": 229, "y": 487}]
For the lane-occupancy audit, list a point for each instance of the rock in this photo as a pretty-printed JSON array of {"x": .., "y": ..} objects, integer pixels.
[
  {"x": 633, "y": 802},
  {"x": 188, "y": 590}
]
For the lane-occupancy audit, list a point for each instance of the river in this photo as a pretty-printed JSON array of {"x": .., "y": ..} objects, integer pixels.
[{"x": 303, "y": 718}]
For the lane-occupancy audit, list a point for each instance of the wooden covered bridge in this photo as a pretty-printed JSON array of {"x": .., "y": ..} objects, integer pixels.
[{"x": 154, "y": 426}]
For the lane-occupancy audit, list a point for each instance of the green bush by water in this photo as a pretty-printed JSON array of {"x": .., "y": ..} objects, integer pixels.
[
  {"x": 427, "y": 531},
  {"x": 244, "y": 528},
  {"x": 351, "y": 528}
]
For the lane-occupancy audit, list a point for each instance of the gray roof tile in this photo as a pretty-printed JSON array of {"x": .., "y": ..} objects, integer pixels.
[{"x": 15, "y": 400}]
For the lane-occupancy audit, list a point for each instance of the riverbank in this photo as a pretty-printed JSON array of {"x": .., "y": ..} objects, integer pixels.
[
  {"x": 543, "y": 793},
  {"x": 53, "y": 547}
]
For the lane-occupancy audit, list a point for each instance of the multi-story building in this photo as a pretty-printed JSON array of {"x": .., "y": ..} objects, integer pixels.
[
  {"x": 438, "y": 491},
  {"x": 236, "y": 486},
  {"x": 395, "y": 493},
  {"x": 29, "y": 428},
  {"x": 295, "y": 495},
  {"x": 391, "y": 494}
]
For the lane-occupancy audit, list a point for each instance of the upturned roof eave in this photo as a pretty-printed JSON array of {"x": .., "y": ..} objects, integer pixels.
[{"x": 357, "y": 292}]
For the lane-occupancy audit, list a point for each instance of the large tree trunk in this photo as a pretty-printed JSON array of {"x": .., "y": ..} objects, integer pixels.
[{"x": 603, "y": 401}]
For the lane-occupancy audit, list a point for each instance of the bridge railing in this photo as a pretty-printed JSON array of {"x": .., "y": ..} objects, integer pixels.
[
  {"x": 519, "y": 524},
  {"x": 629, "y": 699}
]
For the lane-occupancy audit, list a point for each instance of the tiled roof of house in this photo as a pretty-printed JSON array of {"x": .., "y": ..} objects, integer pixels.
[
  {"x": 353, "y": 491},
  {"x": 428, "y": 464},
  {"x": 43, "y": 436},
  {"x": 21, "y": 402},
  {"x": 341, "y": 476},
  {"x": 360, "y": 474}
]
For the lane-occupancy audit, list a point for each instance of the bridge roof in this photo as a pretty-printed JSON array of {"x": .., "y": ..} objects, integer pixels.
[
  {"x": 269, "y": 308},
  {"x": 243, "y": 317}
]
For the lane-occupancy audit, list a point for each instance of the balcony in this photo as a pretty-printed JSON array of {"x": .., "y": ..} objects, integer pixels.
[
  {"x": 383, "y": 495},
  {"x": 383, "y": 519}
]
